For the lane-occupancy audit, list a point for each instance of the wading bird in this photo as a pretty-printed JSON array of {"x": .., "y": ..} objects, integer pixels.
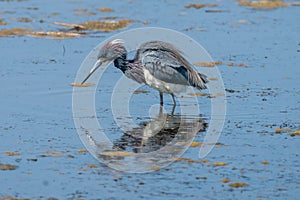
[{"x": 157, "y": 64}]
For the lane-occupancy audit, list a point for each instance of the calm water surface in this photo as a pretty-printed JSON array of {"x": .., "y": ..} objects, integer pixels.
[{"x": 36, "y": 105}]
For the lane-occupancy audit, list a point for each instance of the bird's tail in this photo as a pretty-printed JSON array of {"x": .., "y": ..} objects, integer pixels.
[
  {"x": 203, "y": 78},
  {"x": 202, "y": 82},
  {"x": 197, "y": 80}
]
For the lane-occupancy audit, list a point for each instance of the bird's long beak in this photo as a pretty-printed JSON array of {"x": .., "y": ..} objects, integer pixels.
[{"x": 95, "y": 67}]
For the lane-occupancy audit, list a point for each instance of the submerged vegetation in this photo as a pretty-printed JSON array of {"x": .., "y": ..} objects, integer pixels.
[
  {"x": 267, "y": 4},
  {"x": 264, "y": 4},
  {"x": 73, "y": 30},
  {"x": 109, "y": 23}
]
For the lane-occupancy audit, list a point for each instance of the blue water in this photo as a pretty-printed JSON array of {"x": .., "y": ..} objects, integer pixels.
[{"x": 36, "y": 105}]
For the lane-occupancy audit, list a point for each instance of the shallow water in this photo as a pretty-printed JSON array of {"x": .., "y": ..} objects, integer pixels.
[{"x": 36, "y": 105}]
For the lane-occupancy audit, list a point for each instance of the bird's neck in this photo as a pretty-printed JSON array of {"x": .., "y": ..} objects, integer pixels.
[{"x": 121, "y": 63}]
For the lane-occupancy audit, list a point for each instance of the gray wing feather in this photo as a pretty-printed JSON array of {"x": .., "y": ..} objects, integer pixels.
[
  {"x": 163, "y": 68},
  {"x": 165, "y": 62}
]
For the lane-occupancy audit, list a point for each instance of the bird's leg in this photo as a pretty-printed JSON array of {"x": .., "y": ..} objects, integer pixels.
[
  {"x": 174, "y": 104},
  {"x": 160, "y": 111},
  {"x": 173, "y": 98},
  {"x": 173, "y": 109},
  {"x": 161, "y": 99}
]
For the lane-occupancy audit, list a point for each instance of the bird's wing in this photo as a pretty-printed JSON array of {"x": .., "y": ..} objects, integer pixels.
[
  {"x": 165, "y": 62},
  {"x": 163, "y": 67}
]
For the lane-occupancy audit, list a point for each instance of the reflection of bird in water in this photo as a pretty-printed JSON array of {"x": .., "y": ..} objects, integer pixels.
[
  {"x": 158, "y": 132},
  {"x": 156, "y": 63}
]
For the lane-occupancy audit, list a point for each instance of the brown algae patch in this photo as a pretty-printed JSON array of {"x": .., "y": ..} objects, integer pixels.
[
  {"x": 282, "y": 130},
  {"x": 219, "y": 164},
  {"x": 155, "y": 168},
  {"x": 10, "y": 153},
  {"x": 117, "y": 153},
  {"x": 14, "y": 32},
  {"x": 24, "y": 19},
  {"x": 264, "y": 162},
  {"x": 90, "y": 166},
  {"x": 140, "y": 92},
  {"x": 106, "y": 26},
  {"x": 104, "y": 9},
  {"x": 185, "y": 159},
  {"x": 296, "y": 132},
  {"x": 82, "y": 85},
  {"x": 200, "y": 5},
  {"x": 197, "y": 6},
  {"x": 207, "y": 64},
  {"x": 93, "y": 166},
  {"x": 196, "y": 144},
  {"x": 55, "y": 35},
  {"x": 225, "y": 180},
  {"x": 264, "y": 4},
  {"x": 190, "y": 144},
  {"x": 237, "y": 185},
  {"x": 231, "y": 64},
  {"x": 199, "y": 94},
  {"x": 216, "y": 95},
  {"x": 8, "y": 167},
  {"x": 42, "y": 34},
  {"x": 77, "y": 27},
  {"x": 54, "y": 154},
  {"x": 82, "y": 151},
  {"x": 3, "y": 22},
  {"x": 74, "y": 32}
]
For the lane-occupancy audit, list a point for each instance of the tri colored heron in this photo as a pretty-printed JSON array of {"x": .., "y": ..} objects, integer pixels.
[{"x": 157, "y": 64}]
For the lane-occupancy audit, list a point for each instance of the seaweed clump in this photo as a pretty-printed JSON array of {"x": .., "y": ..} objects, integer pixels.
[{"x": 264, "y": 4}]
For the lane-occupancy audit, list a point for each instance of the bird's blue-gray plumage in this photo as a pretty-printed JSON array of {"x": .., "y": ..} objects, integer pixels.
[
  {"x": 165, "y": 62},
  {"x": 156, "y": 63}
]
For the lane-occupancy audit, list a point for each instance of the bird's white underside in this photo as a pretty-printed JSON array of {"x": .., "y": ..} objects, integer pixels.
[{"x": 161, "y": 85}]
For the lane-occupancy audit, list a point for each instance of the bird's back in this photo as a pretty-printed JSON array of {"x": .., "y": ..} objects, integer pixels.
[{"x": 166, "y": 63}]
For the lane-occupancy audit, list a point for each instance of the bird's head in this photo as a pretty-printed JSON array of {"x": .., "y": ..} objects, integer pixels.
[
  {"x": 112, "y": 50},
  {"x": 109, "y": 52}
]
